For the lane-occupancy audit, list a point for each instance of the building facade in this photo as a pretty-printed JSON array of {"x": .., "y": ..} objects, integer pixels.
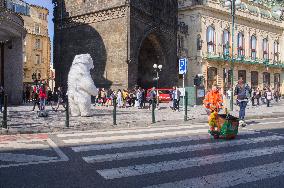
[
  {"x": 12, "y": 33},
  {"x": 258, "y": 40},
  {"x": 37, "y": 45},
  {"x": 125, "y": 39}
]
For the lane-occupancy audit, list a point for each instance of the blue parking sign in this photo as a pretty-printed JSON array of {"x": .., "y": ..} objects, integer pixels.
[{"x": 182, "y": 66}]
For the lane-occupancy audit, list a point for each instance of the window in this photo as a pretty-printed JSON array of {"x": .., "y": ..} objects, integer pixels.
[
  {"x": 265, "y": 49},
  {"x": 241, "y": 50},
  {"x": 210, "y": 39},
  {"x": 242, "y": 75},
  {"x": 276, "y": 51},
  {"x": 199, "y": 42},
  {"x": 277, "y": 81},
  {"x": 211, "y": 77},
  {"x": 38, "y": 60},
  {"x": 266, "y": 79},
  {"x": 37, "y": 44},
  {"x": 253, "y": 47},
  {"x": 37, "y": 29},
  {"x": 226, "y": 42},
  {"x": 254, "y": 79}
]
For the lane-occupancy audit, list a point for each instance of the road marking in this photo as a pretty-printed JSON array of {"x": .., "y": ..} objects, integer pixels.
[
  {"x": 98, "y": 147},
  {"x": 164, "y": 166},
  {"x": 230, "y": 178},
  {"x": 126, "y": 131},
  {"x": 24, "y": 160},
  {"x": 268, "y": 123},
  {"x": 134, "y": 137},
  {"x": 24, "y": 144},
  {"x": 174, "y": 150}
]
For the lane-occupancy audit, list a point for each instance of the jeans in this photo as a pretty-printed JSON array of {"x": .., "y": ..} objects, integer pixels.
[
  {"x": 268, "y": 102},
  {"x": 242, "y": 113},
  {"x": 42, "y": 104}
]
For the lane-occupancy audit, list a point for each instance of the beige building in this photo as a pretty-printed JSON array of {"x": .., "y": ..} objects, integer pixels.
[
  {"x": 36, "y": 45},
  {"x": 258, "y": 40}
]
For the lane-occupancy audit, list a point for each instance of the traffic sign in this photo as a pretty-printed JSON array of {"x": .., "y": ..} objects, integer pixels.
[{"x": 182, "y": 66}]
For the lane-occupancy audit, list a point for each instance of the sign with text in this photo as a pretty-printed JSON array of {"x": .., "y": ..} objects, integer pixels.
[{"x": 182, "y": 66}]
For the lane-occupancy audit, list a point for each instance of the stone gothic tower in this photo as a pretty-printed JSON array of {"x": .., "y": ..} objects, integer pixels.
[{"x": 124, "y": 37}]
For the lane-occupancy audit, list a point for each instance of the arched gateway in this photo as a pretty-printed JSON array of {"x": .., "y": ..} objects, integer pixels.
[{"x": 150, "y": 53}]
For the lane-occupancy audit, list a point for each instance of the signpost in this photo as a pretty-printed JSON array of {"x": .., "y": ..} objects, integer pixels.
[{"x": 183, "y": 70}]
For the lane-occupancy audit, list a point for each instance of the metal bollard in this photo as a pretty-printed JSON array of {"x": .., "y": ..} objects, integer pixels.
[
  {"x": 153, "y": 112},
  {"x": 185, "y": 106},
  {"x": 4, "y": 123},
  {"x": 114, "y": 111},
  {"x": 67, "y": 113}
]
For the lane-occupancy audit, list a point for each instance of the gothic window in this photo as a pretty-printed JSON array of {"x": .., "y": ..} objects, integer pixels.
[
  {"x": 199, "y": 42},
  {"x": 38, "y": 59},
  {"x": 276, "y": 51},
  {"x": 37, "y": 29},
  {"x": 253, "y": 47},
  {"x": 226, "y": 43},
  {"x": 265, "y": 49},
  {"x": 37, "y": 44},
  {"x": 210, "y": 39},
  {"x": 241, "y": 50},
  {"x": 254, "y": 79}
]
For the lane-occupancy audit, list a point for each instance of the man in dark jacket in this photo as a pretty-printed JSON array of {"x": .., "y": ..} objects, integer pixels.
[
  {"x": 1, "y": 98},
  {"x": 242, "y": 91}
]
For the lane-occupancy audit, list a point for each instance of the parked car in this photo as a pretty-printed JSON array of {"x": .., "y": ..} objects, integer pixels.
[{"x": 164, "y": 95}]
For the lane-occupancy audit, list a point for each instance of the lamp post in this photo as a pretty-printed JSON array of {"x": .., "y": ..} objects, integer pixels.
[
  {"x": 157, "y": 69},
  {"x": 232, "y": 5}
]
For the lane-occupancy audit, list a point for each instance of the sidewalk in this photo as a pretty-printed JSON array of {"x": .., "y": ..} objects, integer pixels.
[{"x": 22, "y": 120}]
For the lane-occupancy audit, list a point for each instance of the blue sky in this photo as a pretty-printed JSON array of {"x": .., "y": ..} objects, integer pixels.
[{"x": 47, "y": 4}]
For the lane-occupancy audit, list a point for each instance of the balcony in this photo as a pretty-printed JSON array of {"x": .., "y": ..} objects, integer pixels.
[{"x": 242, "y": 59}]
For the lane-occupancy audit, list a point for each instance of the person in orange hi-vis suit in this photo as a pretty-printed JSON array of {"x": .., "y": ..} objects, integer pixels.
[{"x": 213, "y": 102}]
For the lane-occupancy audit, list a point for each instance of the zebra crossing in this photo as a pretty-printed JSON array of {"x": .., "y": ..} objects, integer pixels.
[
  {"x": 23, "y": 150},
  {"x": 157, "y": 156}
]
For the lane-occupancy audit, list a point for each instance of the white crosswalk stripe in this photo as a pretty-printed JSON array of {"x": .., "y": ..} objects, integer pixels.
[
  {"x": 231, "y": 178},
  {"x": 171, "y": 150},
  {"x": 115, "y": 154},
  {"x": 17, "y": 150}
]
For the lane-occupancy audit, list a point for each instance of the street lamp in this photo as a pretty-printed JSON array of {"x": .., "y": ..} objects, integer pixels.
[
  {"x": 233, "y": 5},
  {"x": 157, "y": 69}
]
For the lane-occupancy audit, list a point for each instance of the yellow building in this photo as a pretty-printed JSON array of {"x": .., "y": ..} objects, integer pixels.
[
  {"x": 258, "y": 40},
  {"x": 36, "y": 45}
]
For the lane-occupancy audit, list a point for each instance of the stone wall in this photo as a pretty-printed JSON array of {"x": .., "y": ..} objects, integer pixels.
[{"x": 13, "y": 71}]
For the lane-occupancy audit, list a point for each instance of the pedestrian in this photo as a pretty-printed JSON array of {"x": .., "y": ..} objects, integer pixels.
[
  {"x": 139, "y": 95},
  {"x": 152, "y": 98},
  {"x": 1, "y": 98},
  {"x": 268, "y": 96},
  {"x": 119, "y": 99},
  {"x": 35, "y": 99},
  {"x": 176, "y": 98},
  {"x": 28, "y": 93},
  {"x": 42, "y": 97},
  {"x": 257, "y": 95},
  {"x": 60, "y": 100},
  {"x": 242, "y": 91}
]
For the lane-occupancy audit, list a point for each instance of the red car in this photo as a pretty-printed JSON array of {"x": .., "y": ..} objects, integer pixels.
[{"x": 164, "y": 95}]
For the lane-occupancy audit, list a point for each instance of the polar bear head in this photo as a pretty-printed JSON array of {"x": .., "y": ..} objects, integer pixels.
[{"x": 85, "y": 60}]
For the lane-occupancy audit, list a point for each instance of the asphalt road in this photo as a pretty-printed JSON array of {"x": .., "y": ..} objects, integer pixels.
[{"x": 167, "y": 156}]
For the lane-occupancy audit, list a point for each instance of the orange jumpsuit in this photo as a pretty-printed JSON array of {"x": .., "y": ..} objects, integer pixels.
[{"x": 213, "y": 101}]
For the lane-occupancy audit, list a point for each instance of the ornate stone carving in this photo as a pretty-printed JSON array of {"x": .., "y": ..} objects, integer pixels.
[{"x": 94, "y": 17}]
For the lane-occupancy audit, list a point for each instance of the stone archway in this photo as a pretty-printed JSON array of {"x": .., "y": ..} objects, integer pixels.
[{"x": 150, "y": 53}]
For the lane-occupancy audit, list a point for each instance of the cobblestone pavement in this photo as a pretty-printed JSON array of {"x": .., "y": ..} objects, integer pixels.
[{"x": 22, "y": 119}]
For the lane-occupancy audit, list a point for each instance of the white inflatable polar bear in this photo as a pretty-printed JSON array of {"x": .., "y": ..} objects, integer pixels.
[{"x": 81, "y": 86}]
